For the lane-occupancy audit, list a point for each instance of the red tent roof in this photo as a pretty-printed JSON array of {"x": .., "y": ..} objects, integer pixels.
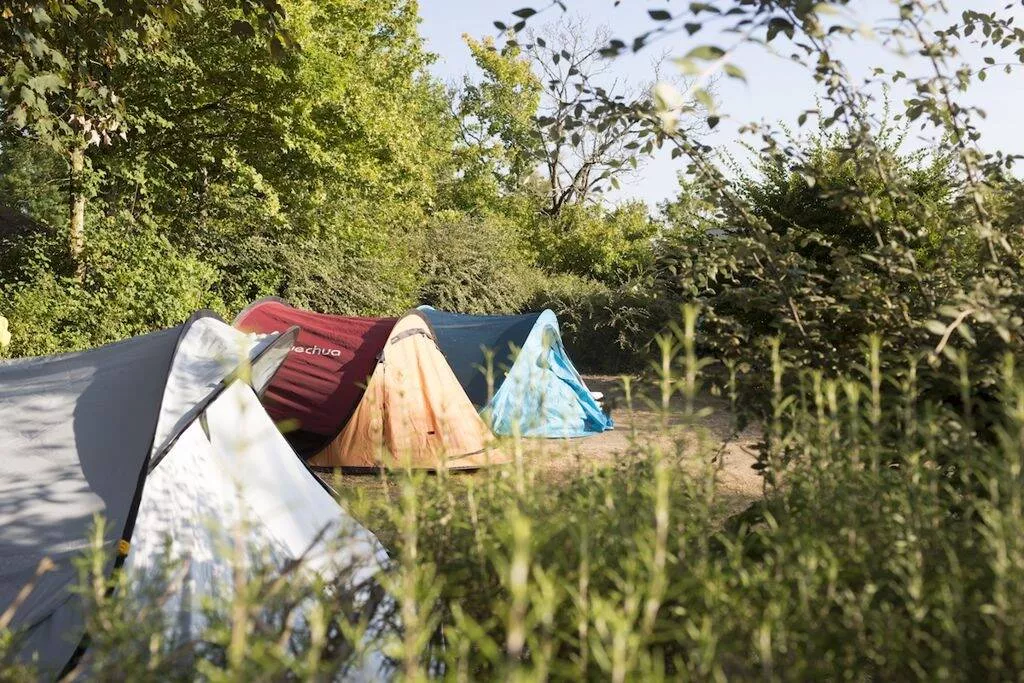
[{"x": 323, "y": 378}]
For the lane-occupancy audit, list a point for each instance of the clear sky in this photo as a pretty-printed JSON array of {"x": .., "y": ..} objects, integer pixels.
[{"x": 776, "y": 91}]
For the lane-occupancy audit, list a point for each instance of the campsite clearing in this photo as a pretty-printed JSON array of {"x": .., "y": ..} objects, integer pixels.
[
  {"x": 559, "y": 459},
  {"x": 738, "y": 483}
]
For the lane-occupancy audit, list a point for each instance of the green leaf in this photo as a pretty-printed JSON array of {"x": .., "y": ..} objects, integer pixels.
[
  {"x": 659, "y": 14},
  {"x": 706, "y": 52},
  {"x": 525, "y": 13},
  {"x": 777, "y": 25},
  {"x": 734, "y": 71}
]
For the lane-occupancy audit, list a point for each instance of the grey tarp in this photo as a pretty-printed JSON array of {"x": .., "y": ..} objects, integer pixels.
[{"x": 77, "y": 432}]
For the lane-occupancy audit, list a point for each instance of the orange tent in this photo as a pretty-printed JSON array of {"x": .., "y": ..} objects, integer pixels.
[{"x": 414, "y": 412}]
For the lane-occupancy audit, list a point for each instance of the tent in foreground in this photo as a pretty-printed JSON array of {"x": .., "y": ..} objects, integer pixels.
[
  {"x": 116, "y": 431},
  {"x": 366, "y": 393},
  {"x": 536, "y": 389}
]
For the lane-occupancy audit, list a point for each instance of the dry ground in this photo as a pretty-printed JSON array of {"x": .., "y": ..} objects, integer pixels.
[{"x": 639, "y": 423}]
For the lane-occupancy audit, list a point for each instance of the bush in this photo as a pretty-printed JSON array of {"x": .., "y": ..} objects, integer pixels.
[
  {"x": 821, "y": 251},
  {"x": 474, "y": 265},
  {"x": 590, "y": 241},
  {"x": 332, "y": 275},
  {"x": 135, "y": 282}
]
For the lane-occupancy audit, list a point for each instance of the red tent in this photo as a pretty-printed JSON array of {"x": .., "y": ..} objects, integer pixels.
[{"x": 323, "y": 379}]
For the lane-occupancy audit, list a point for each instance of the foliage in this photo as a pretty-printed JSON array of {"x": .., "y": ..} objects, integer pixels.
[
  {"x": 590, "y": 241},
  {"x": 137, "y": 282},
  {"x": 330, "y": 275},
  {"x": 58, "y": 66},
  {"x": 307, "y": 174},
  {"x": 826, "y": 248},
  {"x": 498, "y": 114},
  {"x": 474, "y": 265}
]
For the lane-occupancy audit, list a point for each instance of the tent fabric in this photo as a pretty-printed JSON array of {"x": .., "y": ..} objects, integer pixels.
[
  {"x": 79, "y": 434},
  {"x": 321, "y": 382},
  {"x": 414, "y": 412},
  {"x": 73, "y": 446},
  {"x": 463, "y": 339},
  {"x": 251, "y": 480},
  {"x": 537, "y": 392}
]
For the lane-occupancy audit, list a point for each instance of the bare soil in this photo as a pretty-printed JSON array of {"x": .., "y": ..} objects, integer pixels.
[{"x": 640, "y": 422}]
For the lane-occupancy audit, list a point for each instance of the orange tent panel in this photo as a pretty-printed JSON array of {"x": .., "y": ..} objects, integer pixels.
[{"x": 414, "y": 412}]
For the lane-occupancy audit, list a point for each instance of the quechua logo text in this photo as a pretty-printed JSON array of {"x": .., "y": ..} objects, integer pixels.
[{"x": 316, "y": 351}]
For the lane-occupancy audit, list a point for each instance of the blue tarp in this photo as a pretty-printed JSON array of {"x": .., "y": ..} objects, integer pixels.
[{"x": 537, "y": 391}]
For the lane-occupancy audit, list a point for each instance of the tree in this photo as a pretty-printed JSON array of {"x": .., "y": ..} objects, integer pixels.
[
  {"x": 245, "y": 157},
  {"x": 587, "y": 136},
  {"x": 497, "y": 115},
  {"x": 308, "y": 174},
  {"x": 562, "y": 120},
  {"x": 56, "y": 65}
]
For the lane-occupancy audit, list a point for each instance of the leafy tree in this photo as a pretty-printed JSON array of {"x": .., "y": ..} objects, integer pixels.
[
  {"x": 497, "y": 115},
  {"x": 56, "y": 66},
  {"x": 244, "y": 158},
  {"x": 588, "y": 124}
]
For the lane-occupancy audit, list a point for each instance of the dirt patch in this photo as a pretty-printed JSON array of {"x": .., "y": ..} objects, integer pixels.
[{"x": 641, "y": 422}]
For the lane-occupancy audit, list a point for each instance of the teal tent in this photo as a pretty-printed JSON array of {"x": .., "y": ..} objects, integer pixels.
[{"x": 536, "y": 389}]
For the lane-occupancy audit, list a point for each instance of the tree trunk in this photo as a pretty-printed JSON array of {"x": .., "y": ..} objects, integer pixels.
[{"x": 77, "y": 211}]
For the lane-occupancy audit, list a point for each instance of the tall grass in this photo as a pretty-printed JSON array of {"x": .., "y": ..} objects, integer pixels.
[{"x": 888, "y": 545}]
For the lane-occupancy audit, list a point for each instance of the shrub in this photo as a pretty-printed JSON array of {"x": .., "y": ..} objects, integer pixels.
[
  {"x": 135, "y": 282},
  {"x": 474, "y": 265},
  {"x": 591, "y": 241},
  {"x": 840, "y": 242},
  {"x": 334, "y": 276}
]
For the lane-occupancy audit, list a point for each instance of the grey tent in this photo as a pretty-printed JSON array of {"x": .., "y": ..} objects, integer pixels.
[{"x": 115, "y": 431}]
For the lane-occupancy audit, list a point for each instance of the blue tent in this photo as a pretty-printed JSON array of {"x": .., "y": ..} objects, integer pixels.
[{"x": 537, "y": 391}]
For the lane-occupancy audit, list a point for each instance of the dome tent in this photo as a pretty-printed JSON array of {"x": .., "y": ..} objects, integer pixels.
[
  {"x": 367, "y": 393},
  {"x": 537, "y": 391},
  {"x": 321, "y": 381},
  {"x": 414, "y": 412},
  {"x": 116, "y": 431}
]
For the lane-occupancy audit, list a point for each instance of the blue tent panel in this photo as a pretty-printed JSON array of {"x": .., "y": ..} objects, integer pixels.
[
  {"x": 463, "y": 338},
  {"x": 537, "y": 390}
]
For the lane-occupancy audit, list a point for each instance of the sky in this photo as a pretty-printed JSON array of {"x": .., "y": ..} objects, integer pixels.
[{"x": 776, "y": 91}]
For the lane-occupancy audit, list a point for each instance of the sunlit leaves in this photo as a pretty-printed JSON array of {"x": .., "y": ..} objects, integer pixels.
[{"x": 57, "y": 57}]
